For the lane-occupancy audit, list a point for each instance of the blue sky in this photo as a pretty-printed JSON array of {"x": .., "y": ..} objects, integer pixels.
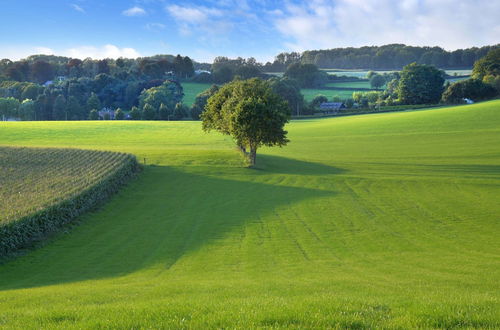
[{"x": 258, "y": 28}]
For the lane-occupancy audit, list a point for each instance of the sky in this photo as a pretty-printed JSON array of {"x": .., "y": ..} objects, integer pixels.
[{"x": 203, "y": 30}]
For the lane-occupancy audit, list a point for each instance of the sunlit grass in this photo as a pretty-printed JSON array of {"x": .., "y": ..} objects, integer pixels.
[{"x": 384, "y": 220}]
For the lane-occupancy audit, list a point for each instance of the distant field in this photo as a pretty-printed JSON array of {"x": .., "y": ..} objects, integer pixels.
[
  {"x": 361, "y": 222},
  {"x": 191, "y": 90},
  {"x": 352, "y": 84},
  {"x": 310, "y": 93}
]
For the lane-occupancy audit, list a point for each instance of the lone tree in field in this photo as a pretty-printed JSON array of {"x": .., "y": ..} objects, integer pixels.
[{"x": 251, "y": 113}]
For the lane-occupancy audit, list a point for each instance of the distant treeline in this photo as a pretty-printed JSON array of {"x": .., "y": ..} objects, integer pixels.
[{"x": 387, "y": 57}]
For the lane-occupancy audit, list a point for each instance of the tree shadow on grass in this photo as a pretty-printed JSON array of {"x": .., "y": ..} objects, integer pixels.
[{"x": 163, "y": 215}]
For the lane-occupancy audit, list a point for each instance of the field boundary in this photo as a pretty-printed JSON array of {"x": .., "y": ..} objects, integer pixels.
[{"x": 27, "y": 230}]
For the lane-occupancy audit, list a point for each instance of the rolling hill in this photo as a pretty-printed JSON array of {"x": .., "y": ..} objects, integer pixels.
[{"x": 382, "y": 220}]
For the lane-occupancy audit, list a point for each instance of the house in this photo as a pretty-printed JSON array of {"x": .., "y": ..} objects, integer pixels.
[
  {"x": 198, "y": 72},
  {"x": 332, "y": 107},
  {"x": 106, "y": 114}
]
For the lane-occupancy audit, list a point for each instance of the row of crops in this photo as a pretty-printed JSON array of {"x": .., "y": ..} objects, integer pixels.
[{"x": 43, "y": 189}]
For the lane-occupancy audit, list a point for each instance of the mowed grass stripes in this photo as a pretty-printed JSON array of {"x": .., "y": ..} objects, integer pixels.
[{"x": 385, "y": 220}]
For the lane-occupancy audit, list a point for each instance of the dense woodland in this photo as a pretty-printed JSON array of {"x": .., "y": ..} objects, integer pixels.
[{"x": 46, "y": 87}]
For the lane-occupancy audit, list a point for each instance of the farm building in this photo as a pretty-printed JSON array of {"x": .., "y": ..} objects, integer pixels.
[{"x": 332, "y": 107}]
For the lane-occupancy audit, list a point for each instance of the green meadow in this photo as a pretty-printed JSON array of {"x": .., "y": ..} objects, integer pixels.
[
  {"x": 192, "y": 89},
  {"x": 381, "y": 220}
]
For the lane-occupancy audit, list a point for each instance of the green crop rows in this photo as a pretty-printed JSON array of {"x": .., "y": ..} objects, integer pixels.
[{"x": 42, "y": 189}]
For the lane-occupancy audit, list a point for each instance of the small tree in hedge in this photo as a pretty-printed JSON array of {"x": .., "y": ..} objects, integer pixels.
[
  {"x": 135, "y": 113},
  {"x": 251, "y": 113},
  {"x": 93, "y": 115},
  {"x": 119, "y": 114},
  {"x": 148, "y": 112}
]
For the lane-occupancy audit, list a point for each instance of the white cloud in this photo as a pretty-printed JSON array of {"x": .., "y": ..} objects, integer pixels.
[
  {"x": 155, "y": 26},
  {"x": 450, "y": 24},
  {"x": 18, "y": 52},
  {"x": 207, "y": 22},
  {"x": 78, "y": 8},
  {"x": 106, "y": 51},
  {"x": 134, "y": 11}
]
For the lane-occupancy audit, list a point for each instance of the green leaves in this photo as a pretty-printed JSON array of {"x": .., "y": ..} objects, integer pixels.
[{"x": 250, "y": 112}]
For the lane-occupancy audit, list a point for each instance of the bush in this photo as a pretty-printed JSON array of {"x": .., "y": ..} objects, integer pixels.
[{"x": 473, "y": 89}]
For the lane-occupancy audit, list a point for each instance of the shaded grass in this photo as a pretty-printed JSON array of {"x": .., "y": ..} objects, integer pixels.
[{"x": 384, "y": 220}]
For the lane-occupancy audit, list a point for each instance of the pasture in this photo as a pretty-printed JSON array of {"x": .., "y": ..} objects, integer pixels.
[
  {"x": 191, "y": 90},
  {"x": 382, "y": 220}
]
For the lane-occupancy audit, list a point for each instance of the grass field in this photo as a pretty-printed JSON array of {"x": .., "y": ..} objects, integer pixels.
[
  {"x": 383, "y": 220},
  {"x": 310, "y": 93},
  {"x": 191, "y": 90}
]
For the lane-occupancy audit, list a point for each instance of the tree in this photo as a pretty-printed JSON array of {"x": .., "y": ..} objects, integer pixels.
[
  {"x": 317, "y": 100},
  {"x": 27, "y": 110},
  {"x": 180, "y": 111},
  {"x": 420, "y": 84},
  {"x": 148, "y": 112},
  {"x": 377, "y": 81},
  {"x": 93, "y": 102},
  {"x": 119, "y": 114},
  {"x": 93, "y": 115},
  {"x": 135, "y": 113},
  {"x": 169, "y": 93},
  {"x": 289, "y": 90},
  {"x": 42, "y": 71},
  {"x": 164, "y": 112},
  {"x": 201, "y": 101},
  {"x": 8, "y": 107},
  {"x": 251, "y": 113},
  {"x": 59, "y": 110},
  {"x": 473, "y": 89},
  {"x": 307, "y": 75},
  {"x": 488, "y": 65}
]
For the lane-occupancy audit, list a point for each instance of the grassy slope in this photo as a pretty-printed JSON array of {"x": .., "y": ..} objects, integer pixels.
[
  {"x": 191, "y": 90},
  {"x": 375, "y": 220}
]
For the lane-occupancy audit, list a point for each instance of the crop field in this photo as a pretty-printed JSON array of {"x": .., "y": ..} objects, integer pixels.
[
  {"x": 191, "y": 90},
  {"x": 371, "y": 221},
  {"x": 33, "y": 178}
]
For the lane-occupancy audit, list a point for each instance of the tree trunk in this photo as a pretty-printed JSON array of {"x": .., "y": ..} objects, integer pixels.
[{"x": 252, "y": 155}]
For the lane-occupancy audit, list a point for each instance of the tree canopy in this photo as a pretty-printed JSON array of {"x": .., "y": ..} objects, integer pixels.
[
  {"x": 250, "y": 112},
  {"x": 420, "y": 84}
]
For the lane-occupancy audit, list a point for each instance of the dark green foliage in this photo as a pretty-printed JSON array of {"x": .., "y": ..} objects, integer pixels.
[
  {"x": 22, "y": 232},
  {"x": 164, "y": 113},
  {"x": 201, "y": 101},
  {"x": 420, "y": 84},
  {"x": 169, "y": 94},
  {"x": 148, "y": 112},
  {"x": 307, "y": 75},
  {"x": 250, "y": 112},
  {"x": 8, "y": 107},
  {"x": 135, "y": 113},
  {"x": 289, "y": 90},
  {"x": 377, "y": 81},
  {"x": 59, "y": 108},
  {"x": 93, "y": 115},
  {"x": 488, "y": 65},
  {"x": 473, "y": 89},
  {"x": 180, "y": 111},
  {"x": 119, "y": 114},
  {"x": 318, "y": 100},
  {"x": 93, "y": 102}
]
